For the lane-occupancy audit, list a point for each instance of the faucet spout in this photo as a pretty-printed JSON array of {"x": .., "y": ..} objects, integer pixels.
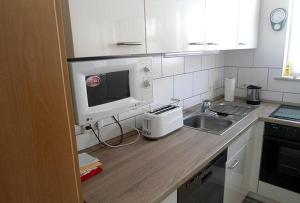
[{"x": 205, "y": 105}]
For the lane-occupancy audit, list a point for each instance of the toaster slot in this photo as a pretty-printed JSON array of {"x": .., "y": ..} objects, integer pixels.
[{"x": 163, "y": 109}]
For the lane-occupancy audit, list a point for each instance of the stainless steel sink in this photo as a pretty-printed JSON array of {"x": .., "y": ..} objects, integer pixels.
[
  {"x": 208, "y": 123},
  {"x": 218, "y": 118}
]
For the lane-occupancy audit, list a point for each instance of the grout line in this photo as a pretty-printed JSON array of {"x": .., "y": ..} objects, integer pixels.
[{"x": 268, "y": 79}]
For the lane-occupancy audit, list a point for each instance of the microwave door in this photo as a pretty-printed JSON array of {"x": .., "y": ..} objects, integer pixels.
[{"x": 117, "y": 85}]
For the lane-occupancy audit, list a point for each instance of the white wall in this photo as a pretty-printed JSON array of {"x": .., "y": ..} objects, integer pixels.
[
  {"x": 190, "y": 79},
  {"x": 262, "y": 65}
]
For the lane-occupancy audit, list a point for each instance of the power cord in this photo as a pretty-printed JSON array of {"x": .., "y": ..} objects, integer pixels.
[
  {"x": 90, "y": 128},
  {"x": 122, "y": 134},
  {"x": 102, "y": 141}
]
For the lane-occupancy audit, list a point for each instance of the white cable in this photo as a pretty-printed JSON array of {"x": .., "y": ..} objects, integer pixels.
[{"x": 120, "y": 145}]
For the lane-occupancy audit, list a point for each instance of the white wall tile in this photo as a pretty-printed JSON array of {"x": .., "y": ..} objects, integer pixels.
[
  {"x": 156, "y": 66},
  {"x": 139, "y": 121},
  {"x": 271, "y": 96},
  {"x": 253, "y": 76},
  {"x": 108, "y": 121},
  {"x": 231, "y": 72},
  {"x": 183, "y": 86},
  {"x": 220, "y": 60},
  {"x": 85, "y": 140},
  {"x": 239, "y": 58},
  {"x": 88, "y": 139},
  {"x": 216, "y": 78},
  {"x": 282, "y": 85},
  {"x": 200, "y": 82},
  {"x": 187, "y": 103},
  {"x": 271, "y": 45},
  {"x": 208, "y": 62},
  {"x": 205, "y": 96},
  {"x": 240, "y": 92},
  {"x": 133, "y": 113},
  {"x": 163, "y": 89},
  {"x": 111, "y": 131},
  {"x": 217, "y": 92},
  {"x": 172, "y": 66},
  {"x": 291, "y": 98},
  {"x": 193, "y": 63}
]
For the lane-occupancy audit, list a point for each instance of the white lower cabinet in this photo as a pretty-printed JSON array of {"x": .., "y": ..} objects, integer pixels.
[
  {"x": 242, "y": 167},
  {"x": 235, "y": 190},
  {"x": 172, "y": 198}
]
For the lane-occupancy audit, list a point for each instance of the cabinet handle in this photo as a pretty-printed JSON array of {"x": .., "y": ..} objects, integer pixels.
[
  {"x": 129, "y": 43},
  {"x": 234, "y": 165},
  {"x": 211, "y": 43},
  {"x": 242, "y": 44},
  {"x": 196, "y": 43}
]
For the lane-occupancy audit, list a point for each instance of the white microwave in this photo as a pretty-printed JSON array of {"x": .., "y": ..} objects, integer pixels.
[{"x": 103, "y": 88}]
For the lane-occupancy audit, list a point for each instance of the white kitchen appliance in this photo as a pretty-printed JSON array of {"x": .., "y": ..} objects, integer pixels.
[
  {"x": 103, "y": 88},
  {"x": 162, "y": 121}
]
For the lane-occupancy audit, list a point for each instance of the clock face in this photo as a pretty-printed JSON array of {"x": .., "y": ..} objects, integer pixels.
[{"x": 278, "y": 15}]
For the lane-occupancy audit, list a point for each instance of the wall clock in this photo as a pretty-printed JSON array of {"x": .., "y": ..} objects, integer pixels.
[{"x": 278, "y": 18}]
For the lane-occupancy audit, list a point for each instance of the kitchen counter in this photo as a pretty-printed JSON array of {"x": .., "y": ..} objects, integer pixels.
[{"x": 149, "y": 171}]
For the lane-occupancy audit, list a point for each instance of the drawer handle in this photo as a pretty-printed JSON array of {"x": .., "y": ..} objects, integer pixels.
[
  {"x": 129, "y": 43},
  {"x": 211, "y": 43},
  {"x": 242, "y": 44},
  {"x": 234, "y": 165},
  {"x": 196, "y": 43}
]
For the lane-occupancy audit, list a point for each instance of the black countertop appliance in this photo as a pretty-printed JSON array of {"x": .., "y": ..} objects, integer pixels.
[{"x": 253, "y": 95}]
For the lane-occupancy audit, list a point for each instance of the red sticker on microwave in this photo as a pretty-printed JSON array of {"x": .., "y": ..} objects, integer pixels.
[{"x": 93, "y": 81}]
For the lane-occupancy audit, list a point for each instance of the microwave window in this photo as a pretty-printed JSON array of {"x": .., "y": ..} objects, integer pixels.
[{"x": 108, "y": 87}]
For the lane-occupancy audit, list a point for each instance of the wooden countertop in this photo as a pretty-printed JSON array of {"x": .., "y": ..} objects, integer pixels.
[{"x": 149, "y": 171}]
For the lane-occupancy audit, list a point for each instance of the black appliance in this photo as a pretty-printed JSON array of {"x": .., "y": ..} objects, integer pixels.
[
  {"x": 253, "y": 95},
  {"x": 280, "y": 163},
  {"x": 208, "y": 185}
]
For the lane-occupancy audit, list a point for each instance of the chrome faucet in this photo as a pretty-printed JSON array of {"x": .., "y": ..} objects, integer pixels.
[{"x": 205, "y": 105}]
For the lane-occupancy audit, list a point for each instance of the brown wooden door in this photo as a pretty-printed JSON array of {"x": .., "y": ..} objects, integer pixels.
[{"x": 38, "y": 160}]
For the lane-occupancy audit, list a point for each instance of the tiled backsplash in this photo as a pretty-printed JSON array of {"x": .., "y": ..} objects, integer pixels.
[
  {"x": 241, "y": 65},
  {"x": 190, "y": 79}
]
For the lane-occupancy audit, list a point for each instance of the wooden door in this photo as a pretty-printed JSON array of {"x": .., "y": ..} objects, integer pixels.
[{"x": 38, "y": 156}]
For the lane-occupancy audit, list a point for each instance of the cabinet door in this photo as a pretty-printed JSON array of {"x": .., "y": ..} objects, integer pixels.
[
  {"x": 235, "y": 177},
  {"x": 175, "y": 25},
  {"x": 107, "y": 27},
  {"x": 172, "y": 198},
  {"x": 221, "y": 24},
  {"x": 248, "y": 24}
]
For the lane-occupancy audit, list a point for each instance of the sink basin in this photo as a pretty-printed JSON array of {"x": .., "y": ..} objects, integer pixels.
[{"x": 208, "y": 123}]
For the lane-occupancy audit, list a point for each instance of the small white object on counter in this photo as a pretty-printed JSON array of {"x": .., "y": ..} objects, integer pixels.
[
  {"x": 162, "y": 121},
  {"x": 229, "y": 89}
]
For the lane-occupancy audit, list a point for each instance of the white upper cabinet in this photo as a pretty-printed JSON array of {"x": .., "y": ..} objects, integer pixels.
[
  {"x": 123, "y": 27},
  {"x": 107, "y": 27},
  {"x": 248, "y": 24},
  {"x": 221, "y": 24},
  {"x": 175, "y": 25}
]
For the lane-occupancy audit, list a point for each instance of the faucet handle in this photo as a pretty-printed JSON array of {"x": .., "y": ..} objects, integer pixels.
[
  {"x": 206, "y": 101},
  {"x": 205, "y": 105}
]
